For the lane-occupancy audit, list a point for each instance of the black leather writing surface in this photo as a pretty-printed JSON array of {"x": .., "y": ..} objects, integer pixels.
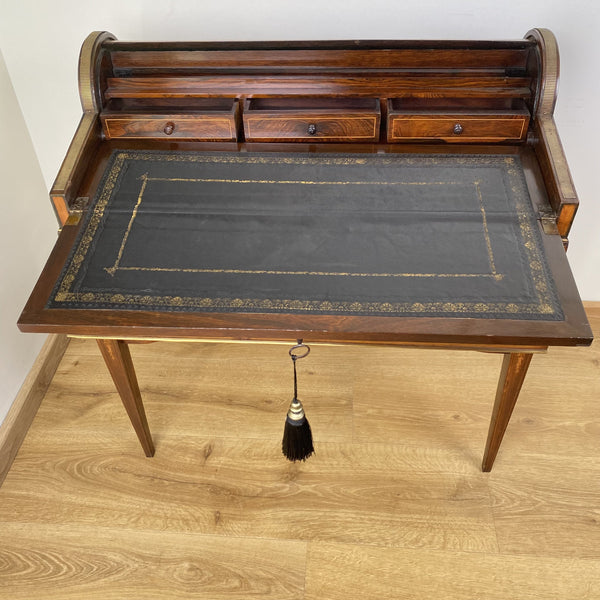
[{"x": 413, "y": 235}]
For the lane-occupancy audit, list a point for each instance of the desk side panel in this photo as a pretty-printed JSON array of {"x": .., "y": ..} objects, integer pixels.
[
  {"x": 73, "y": 169},
  {"x": 557, "y": 177}
]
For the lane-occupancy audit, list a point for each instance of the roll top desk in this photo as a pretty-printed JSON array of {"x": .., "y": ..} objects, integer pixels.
[{"x": 409, "y": 193}]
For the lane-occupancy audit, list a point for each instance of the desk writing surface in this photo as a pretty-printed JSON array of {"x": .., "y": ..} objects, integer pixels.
[{"x": 361, "y": 234}]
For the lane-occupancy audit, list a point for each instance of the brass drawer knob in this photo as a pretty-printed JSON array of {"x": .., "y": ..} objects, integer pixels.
[
  {"x": 312, "y": 129},
  {"x": 169, "y": 128},
  {"x": 458, "y": 129}
]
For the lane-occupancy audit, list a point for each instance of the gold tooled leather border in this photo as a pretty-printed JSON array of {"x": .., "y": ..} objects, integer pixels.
[{"x": 542, "y": 284}]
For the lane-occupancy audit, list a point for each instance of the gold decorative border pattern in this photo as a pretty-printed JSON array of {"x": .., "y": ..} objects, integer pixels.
[
  {"x": 535, "y": 260},
  {"x": 283, "y": 304}
]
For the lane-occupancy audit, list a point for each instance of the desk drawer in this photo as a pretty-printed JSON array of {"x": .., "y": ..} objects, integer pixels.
[
  {"x": 171, "y": 118},
  {"x": 459, "y": 121},
  {"x": 302, "y": 121},
  {"x": 456, "y": 128},
  {"x": 206, "y": 127}
]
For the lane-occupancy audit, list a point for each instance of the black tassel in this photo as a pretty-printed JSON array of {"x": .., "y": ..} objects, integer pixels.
[{"x": 297, "y": 437}]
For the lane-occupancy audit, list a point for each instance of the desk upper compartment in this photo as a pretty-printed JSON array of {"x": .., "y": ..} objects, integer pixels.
[{"x": 400, "y": 92}]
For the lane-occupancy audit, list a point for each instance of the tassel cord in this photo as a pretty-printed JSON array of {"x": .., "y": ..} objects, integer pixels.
[{"x": 294, "y": 359}]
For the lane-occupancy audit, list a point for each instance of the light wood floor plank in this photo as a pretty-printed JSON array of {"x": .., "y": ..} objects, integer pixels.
[
  {"x": 245, "y": 488},
  {"x": 434, "y": 398},
  {"x": 239, "y": 396},
  {"x": 549, "y": 515},
  {"x": 74, "y": 563},
  {"x": 337, "y": 572}
]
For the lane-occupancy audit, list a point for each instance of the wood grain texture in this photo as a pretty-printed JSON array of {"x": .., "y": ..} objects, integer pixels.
[
  {"x": 273, "y": 127},
  {"x": 514, "y": 370},
  {"x": 472, "y": 128},
  {"x": 332, "y": 85},
  {"x": 126, "y": 56},
  {"x": 391, "y": 574},
  {"x": 246, "y": 489},
  {"x": 118, "y": 360},
  {"x": 392, "y": 505},
  {"x": 90, "y": 562},
  {"x": 15, "y": 425},
  {"x": 182, "y": 127}
]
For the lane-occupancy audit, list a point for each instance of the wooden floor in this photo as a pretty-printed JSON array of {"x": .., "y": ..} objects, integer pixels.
[{"x": 393, "y": 505}]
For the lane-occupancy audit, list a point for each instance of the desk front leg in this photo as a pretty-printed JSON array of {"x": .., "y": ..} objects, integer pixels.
[
  {"x": 514, "y": 369},
  {"x": 118, "y": 360}
]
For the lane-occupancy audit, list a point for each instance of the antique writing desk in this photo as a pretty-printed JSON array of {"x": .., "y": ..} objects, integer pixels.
[{"x": 407, "y": 193}]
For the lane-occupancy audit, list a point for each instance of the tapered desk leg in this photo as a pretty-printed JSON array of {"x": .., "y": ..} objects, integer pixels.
[
  {"x": 514, "y": 369},
  {"x": 118, "y": 360}
]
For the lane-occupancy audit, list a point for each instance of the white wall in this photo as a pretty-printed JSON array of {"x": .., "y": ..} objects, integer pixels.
[
  {"x": 41, "y": 41},
  {"x": 27, "y": 235}
]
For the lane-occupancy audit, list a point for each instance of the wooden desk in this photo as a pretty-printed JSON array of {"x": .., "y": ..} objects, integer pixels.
[{"x": 401, "y": 193}]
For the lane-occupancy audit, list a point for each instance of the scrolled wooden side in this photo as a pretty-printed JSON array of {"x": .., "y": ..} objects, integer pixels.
[
  {"x": 548, "y": 70},
  {"x": 89, "y": 91}
]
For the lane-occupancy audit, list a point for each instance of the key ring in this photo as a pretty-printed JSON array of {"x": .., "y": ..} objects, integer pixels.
[{"x": 299, "y": 345}]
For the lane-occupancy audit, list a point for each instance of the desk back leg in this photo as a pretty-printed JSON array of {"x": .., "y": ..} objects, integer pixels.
[
  {"x": 118, "y": 360},
  {"x": 514, "y": 369}
]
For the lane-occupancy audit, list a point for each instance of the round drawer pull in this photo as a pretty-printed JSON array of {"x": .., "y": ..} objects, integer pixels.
[
  {"x": 169, "y": 128},
  {"x": 458, "y": 129},
  {"x": 312, "y": 129}
]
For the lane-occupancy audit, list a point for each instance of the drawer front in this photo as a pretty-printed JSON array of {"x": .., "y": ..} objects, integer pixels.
[
  {"x": 307, "y": 128},
  {"x": 458, "y": 128},
  {"x": 173, "y": 127}
]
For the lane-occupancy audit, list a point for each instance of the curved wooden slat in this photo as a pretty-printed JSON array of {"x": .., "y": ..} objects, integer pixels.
[{"x": 318, "y": 85}]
